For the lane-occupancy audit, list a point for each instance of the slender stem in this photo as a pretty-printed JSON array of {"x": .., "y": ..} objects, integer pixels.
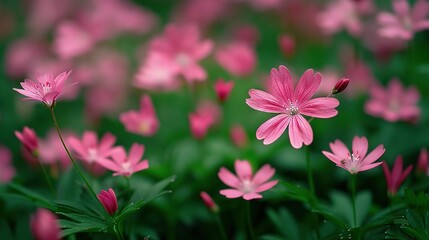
[
  {"x": 310, "y": 173},
  {"x": 249, "y": 221},
  {"x": 353, "y": 190},
  {"x": 47, "y": 178},
  {"x": 221, "y": 228},
  {"x": 70, "y": 156}
]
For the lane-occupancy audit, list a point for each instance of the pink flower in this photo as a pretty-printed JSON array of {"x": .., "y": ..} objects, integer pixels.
[
  {"x": 144, "y": 121},
  {"x": 123, "y": 165},
  {"x": 21, "y": 55},
  {"x": 71, "y": 40},
  {"x": 287, "y": 45},
  {"x": 223, "y": 89},
  {"x": 358, "y": 161},
  {"x": 46, "y": 89},
  {"x": 423, "y": 162},
  {"x": 245, "y": 184},
  {"x": 290, "y": 105},
  {"x": 51, "y": 151},
  {"x": 7, "y": 171},
  {"x": 206, "y": 115},
  {"x": 157, "y": 73},
  {"x": 395, "y": 177},
  {"x": 394, "y": 103},
  {"x": 238, "y": 135},
  {"x": 44, "y": 225},
  {"x": 90, "y": 151},
  {"x": 237, "y": 58},
  {"x": 108, "y": 200},
  {"x": 182, "y": 45},
  {"x": 405, "y": 22},
  {"x": 29, "y": 140},
  {"x": 208, "y": 201}
]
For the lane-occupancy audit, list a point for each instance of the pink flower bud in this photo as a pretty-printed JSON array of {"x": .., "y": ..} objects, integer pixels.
[
  {"x": 208, "y": 201},
  {"x": 223, "y": 89},
  {"x": 340, "y": 86},
  {"x": 238, "y": 135},
  {"x": 28, "y": 138},
  {"x": 44, "y": 225},
  {"x": 287, "y": 45},
  {"x": 109, "y": 201},
  {"x": 423, "y": 162}
]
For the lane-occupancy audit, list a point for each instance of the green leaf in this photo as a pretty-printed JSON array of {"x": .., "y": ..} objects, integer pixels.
[
  {"x": 32, "y": 196},
  {"x": 282, "y": 218},
  {"x": 67, "y": 186},
  {"x": 5, "y": 231}
]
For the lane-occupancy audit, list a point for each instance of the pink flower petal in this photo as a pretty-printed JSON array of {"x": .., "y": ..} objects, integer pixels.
[
  {"x": 243, "y": 170},
  {"x": 228, "y": 178},
  {"x": 307, "y": 85},
  {"x": 360, "y": 146},
  {"x": 265, "y": 102},
  {"x": 323, "y": 107},
  {"x": 282, "y": 84},
  {"x": 266, "y": 186},
  {"x": 250, "y": 196},
  {"x": 300, "y": 132},
  {"x": 273, "y": 128},
  {"x": 263, "y": 174},
  {"x": 374, "y": 155},
  {"x": 231, "y": 193}
]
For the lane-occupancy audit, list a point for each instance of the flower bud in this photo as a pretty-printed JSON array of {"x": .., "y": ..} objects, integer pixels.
[
  {"x": 223, "y": 89},
  {"x": 340, "y": 86},
  {"x": 44, "y": 225},
  {"x": 108, "y": 200},
  {"x": 208, "y": 201}
]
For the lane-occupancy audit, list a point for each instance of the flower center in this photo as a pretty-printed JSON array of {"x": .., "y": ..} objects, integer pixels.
[
  {"x": 92, "y": 155},
  {"x": 126, "y": 166},
  {"x": 247, "y": 186},
  {"x": 182, "y": 59},
  {"x": 354, "y": 163},
  {"x": 394, "y": 105},
  {"x": 46, "y": 87},
  {"x": 292, "y": 109}
]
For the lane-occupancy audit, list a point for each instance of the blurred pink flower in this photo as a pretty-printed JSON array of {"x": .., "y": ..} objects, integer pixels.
[
  {"x": 44, "y": 225},
  {"x": 52, "y": 152},
  {"x": 341, "y": 14},
  {"x": 423, "y": 162},
  {"x": 90, "y": 150},
  {"x": 223, "y": 89},
  {"x": 72, "y": 40},
  {"x": 291, "y": 104},
  {"x": 46, "y": 89},
  {"x": 182, "y": 45},
  {"x": 247, "y": 34},
  {"x": 157, "y": 73},
  {"x": 44, "y": 14},
  {"x": 237, "y": 58},
  {"x": 208, "y": 201},
  {"x": 287, "y": 45},
  {"x": 266, "y": 4},
  {"x": 206, "y": 115},
  {"x": 330, "y": 78},
  {"x": 395, "y": 177},
  {"x": 358, "y": 161},
  {"x": 29, "y": 140},
  {"x": 123, "y": 165},
  {"x": 202, "y": 12},
  {"x": 405, "y": 22},
  {"x": 238, "y": 135},
  {"x": 7, "y": 171},
  {"x": 21, "y": 55},
  {"x": 394, "y": 103},
  {"x": 108, "y": 200},
  {"x": 360, "y": 75},
  {"x": 144, "y": 121},
  {"x": 245, "y": 184}
]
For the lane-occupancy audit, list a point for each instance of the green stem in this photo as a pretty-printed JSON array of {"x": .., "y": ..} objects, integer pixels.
[
  {"x": 220, "y": 226},
  {"x": 310, "y": 173},
  {"x": 249, "y": 221},
  {"x": 70, "y": 156},
  {"x": 353, "y": 190},
  {"x": 47, "y": 178}
]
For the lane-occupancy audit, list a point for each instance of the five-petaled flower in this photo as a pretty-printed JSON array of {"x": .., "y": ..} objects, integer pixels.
[
  {"x": 290, "y": 105},
  {"x": 245, "y": 184},
  {"x": 46, "y": 89},
  {"x": 395, "y": 177},
  {"x": 108, "y": 200},
  {"x": 358, "y": 160},
  {"x": 123, "y": 165}
]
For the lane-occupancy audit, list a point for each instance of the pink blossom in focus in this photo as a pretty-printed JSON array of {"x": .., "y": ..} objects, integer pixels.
[
  {"x": 245, "y": 184},
  {"x": 238, "y": 135},
  {"x": 7, "y": 171},
  {"x": 144, "y": 121},
  {"x": 223, "y": 89},
  {"x": 71, "y": 40},
  {"x": 90, "y": 150},
  {"x": 291, "y": 104},
  {"x": 395, "y": 177},
  {"x": 108, "y": 200},
  {"x": 157, "y": 73},
  {"x": 21, "y": 55},
  {"x": 423, "y": 162},
  {"x": 44, "y": 225},
  {"x": 182, "y": 45},
  {"x": 123, "y": 165},
  {"x": 405, "y": 22},
  {"x": 394, "y": 103},
  {"x": 287, "y": 45},
  {"x": 237, "y": 58},
  {"x": 358, "y": 160},
  {"x": 46, "y": 89}
]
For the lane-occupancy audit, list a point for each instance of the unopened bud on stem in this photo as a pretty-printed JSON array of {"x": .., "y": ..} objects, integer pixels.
[
  {"x": 208, "y": 201},
  {"x": 340, "y": 86}
]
